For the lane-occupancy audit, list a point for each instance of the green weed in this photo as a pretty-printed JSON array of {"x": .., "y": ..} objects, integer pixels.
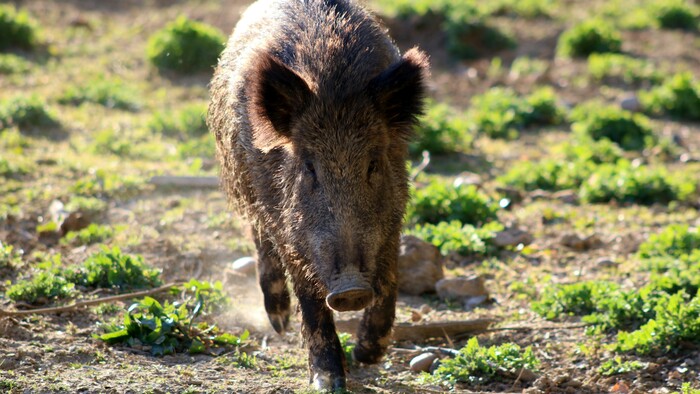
[
  {"x": 592, "y": 36},
  {"x": 110, "y": 268},
  {"x": 440, "y": 131},
  {"x": 12, "y": 168},
  {"x": 548, "y": 174},
  {"x": 675, "y": 15},
  {"x": 616, "y": 366},
  {"x": 438, "y": 202},
  {"x": 107, "y": 91},
  {"x": 203, "y": 147},
  {"x": 185, "y": 46},
  {"x": 453, "y": 236},
  {"x": 686, "y": 389},
  {"x": 479, "y": 365},
  {"x": 212, "y": 292},
  {"x": 675, "y": 240},
  {"x": 524, "y": 8},
  {"x": 679, "y": 97},
  {"x": 614, "y": 67},
  {"x": 501, "y": 113},
  {"x": 89, "y": 206},
  {"x": 13, "y": 64},
  {"x": 189, "y": 121},
  {"x": 42, "y": 288},
  {"x": 9, "y": 257},
  {"x": 92, "y": 234},
  {"x": 17, "y": 29},
  {"x": 110, "y": 142},
  {"x": 26, "y": 112},
  {"x": 347, "y": 346},
  {"x": 630, "y": 131},
  {"x": 105, "y": 183}
]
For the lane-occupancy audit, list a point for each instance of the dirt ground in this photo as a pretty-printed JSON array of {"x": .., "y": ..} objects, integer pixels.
[{"x": 189, "y": 233}]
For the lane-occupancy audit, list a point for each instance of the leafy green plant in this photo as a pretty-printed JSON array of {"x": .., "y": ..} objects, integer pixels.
[
  {"x": 675, "y": 240},
  {"x": 169, "y": 328},
  {"x": 89, "y": 206},
  {"x": 524, "y": 8},
  {"x": 105, "y": 183},
  {"x": 476, "y": 364},
  {"x": 203, "y": 147},
  {"x": 17, "y": 29},
  {"x": 630, "y": 131},
  {"x": 213, "y": 293},
  {"x": 106, "y": 91},
  {"x": 589, "y": 150},
  {"x": 592, "y": 36},
  {"x": 13, "y": 64},
  {"x": 686, "y": 389},
  {"x": 501, "y": 113},
  {"x": 12, "y": 168},
  {"x": 440, "y": 131},
  {"x": 110, "y": 268},
  {"x": 26, "y": 112},
  {"x": 574, "y": 299},
  {"x": 185, "y": 46},
  {"x": 8, "y": 256},
  {"x": 454, "y": 236},
  {"x": 189, "y": 121},
  {"x": 92, "y": 234},
  {"x": 616, "y": 366},
  {"x": 347, "y": 346},
  {"x": 110, "y": 142},
  {"x": 679, "y": 97},
  {"x": 438, "y": 202},
  {"x": 548, "y": 174},
  {"x": 614, "y": 67},
  {"x": 675, "y": 15},
  {"x": 42, "y": 288}
]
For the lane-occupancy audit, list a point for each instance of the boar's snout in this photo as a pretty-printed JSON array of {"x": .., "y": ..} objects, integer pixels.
[{"x": 352, "y": 299}]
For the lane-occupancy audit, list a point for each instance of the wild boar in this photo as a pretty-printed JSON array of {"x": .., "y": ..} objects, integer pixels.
[{"x": 313, "y": 106}]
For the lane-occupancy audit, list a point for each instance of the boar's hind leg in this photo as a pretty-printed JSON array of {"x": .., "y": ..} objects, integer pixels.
[
  {"x": 374, "y": 333},
  {"x": 326, "y": 358},
  {"x": 273, "y": 283}
]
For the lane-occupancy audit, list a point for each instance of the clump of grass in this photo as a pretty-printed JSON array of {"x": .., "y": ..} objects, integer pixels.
[
  {"x": 623, "y": 182},
  {"x": 185, "y": 46},
  {"x": 214, "y": 293},
  {"x": 630, "y": 131},
  {"x": 476, "y": 364},
  {"x": 675, "y": 240},
  {"x": 170, "y": 327},
  {"x": 26, "y": 112},
  {"x": 548, "y": 174},
  {"x": 596, "y": 152},
  {"x": 89, "y": 206},
  {"x": 467, "y": 32},
  {"x": 42, "y": 288},
  {"x": 203, "y": 147},
  {"x": 109, "y": 142},
  {"x": 102, "y": 183},
  {"x": 464, "y": 239},
  {"x": 440, "y": 131},
  {"x": 525, "y": 8},
  {"x": 686, "y": 389},
  {"x": 188, "y": 121},
  {"x": 679, "y": 97},
  {"x": 110, "y": 268},
  {"x": 17, "y": 29},
  {"x": 13, "y": 141},
  {"x": 501, "y": 113},
  {"x": 92, "y": 234},
  {"x": 675, "y": 15},
  {"x": 106, "y": 91},
  {"x": 9, "y": 258},
  {"x": 13, "y": 64},
  {"x": 439, "y": 202},
  {"x": 613, "y": 67},
  {"x": 12, "y": 168},
  {"x": 592, "y": 36},
  {"x": 616, "y": 366}
]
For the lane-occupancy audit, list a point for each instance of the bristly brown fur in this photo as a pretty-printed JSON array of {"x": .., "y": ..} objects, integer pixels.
[{"x": 312, "y": 108}]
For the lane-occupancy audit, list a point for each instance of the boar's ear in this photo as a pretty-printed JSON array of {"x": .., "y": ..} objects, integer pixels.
[
  {"x": 276, "y": 95},
  {"x": 399, "y": 90}
]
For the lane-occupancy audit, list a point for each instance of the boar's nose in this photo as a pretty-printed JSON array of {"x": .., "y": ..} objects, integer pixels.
[{"x": 351, "y": 299}]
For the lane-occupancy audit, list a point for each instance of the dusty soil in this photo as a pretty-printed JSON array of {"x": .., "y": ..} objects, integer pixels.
[{"x": 189, "y": 233}]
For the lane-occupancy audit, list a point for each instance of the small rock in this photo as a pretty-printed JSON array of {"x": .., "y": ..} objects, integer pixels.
[
  {"x": 512, "y": 237},
  {"x": 631, "y": 103},
  {"x": 560, "y": 379},
  {"x": 578, "y": 243},
  {"x": 467, "y": 178},
  {"x": 422, "y": 362},
  {"x": 75, "y": 221},
  {"x": 605, "y": 262},
  {"x": 244, "y": 265},
  {"x": 425, "y": 309},
  {"x": 461, "y": 287},
  {"x": 527, "y": 376},
  {"x": 416, "y": 316},
  {"x": 420, "y": 266},
  {"x": 566, "y": 196}
]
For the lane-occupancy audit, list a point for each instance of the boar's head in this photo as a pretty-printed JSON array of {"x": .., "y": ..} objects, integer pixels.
[{"x": 340, "y": 185}]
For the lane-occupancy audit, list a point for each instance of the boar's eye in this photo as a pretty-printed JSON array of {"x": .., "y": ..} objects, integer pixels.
[
  {"x": 310, "y": 168},
  {"x": 373, "y": 166}
]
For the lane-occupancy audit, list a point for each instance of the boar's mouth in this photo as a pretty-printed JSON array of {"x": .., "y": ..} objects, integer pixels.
[{"x": 350, "y": 291}]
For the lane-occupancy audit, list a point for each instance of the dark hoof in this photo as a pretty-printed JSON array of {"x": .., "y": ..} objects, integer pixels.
[
  {"x": 367, "y": 356},
  {"x": 279, "y": 321}
]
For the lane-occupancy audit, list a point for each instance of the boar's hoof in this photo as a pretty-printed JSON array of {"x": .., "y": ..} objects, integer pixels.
[
  {"x": 279, "y": 321},
  {"x": 323, "y": 381},
  {"x": 367, "y": 356},
  {"x": 352, "y": 299}
]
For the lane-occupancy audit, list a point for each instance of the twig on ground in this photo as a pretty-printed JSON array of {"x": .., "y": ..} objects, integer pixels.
[{"x": 97, "y": 301}]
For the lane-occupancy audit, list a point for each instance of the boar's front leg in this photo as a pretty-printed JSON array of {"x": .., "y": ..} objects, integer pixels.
[
  {"x": 326, "y": 358},
  {"x": 374, "y": 333},
  {"x": 273, "y": 282}
]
